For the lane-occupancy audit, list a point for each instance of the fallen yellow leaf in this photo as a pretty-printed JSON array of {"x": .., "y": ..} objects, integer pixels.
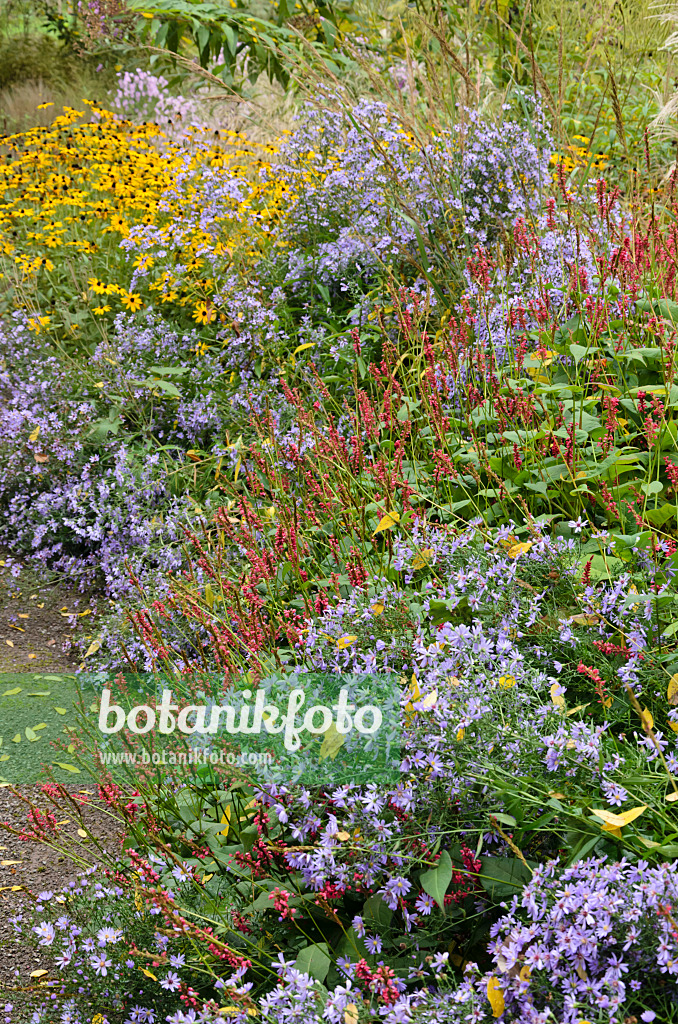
[
  {"x": 387, "y": 522},
  {"x": 646, "y": 720},
  {"x": 614, "y": 823},
  {"x": 672, "y": 690},
  {"x": 422, "y": 558},
  {"x": 495, "y": 996},
  {"x": 345, "y": 641},
  {"x": 518, "y": 549},
  {"x": 557, "y": 697},
  {"x": 331, "y": 744}
]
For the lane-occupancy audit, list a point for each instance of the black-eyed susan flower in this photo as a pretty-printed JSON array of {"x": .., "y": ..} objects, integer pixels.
[
  {"x": 131, "y": 301},
  {"x": 203, "y": 314},
  {"x": 97, "y": 286},
  {"x": 100, "y": 310}
]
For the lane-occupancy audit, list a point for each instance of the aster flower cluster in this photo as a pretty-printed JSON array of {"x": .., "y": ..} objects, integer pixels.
[{"x": 596, "y": 939}]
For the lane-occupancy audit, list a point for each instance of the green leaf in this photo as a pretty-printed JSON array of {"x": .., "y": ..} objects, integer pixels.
[
  {"x": 314, "y": 960},
  {"x": 436, "y": 880},
  {"x": 377, "y": 913},
  {"x": 67, "y": 767},
  {"x": 503, "y": 877},
  {"x": 578, "y": 353}
]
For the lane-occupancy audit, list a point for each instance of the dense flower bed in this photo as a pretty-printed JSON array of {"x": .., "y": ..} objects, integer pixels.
[{"x": 365, "y": 401}]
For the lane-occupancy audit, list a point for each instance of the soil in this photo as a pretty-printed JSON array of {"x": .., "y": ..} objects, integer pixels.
[{"x": 39, "y": 619}]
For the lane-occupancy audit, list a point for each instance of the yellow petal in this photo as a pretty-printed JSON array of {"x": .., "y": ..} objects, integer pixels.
[{"x": 495, "y": 996}]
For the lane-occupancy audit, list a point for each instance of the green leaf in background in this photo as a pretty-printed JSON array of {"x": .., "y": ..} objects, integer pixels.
[
  {"x": 436, "y": 880},
  {"x": 314, "y": 960}
]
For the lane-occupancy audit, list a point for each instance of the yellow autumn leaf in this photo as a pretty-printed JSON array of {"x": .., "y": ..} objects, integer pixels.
[
  {"x": 519, "y": 549},
  {"x": 345, "y": 641},
  {"x": 206, "y": 877},
  {"x": 377, "y": 609},
  {"x": 525, "y": 973},
  {"x": 422, "y": 558},
  {"x": 149, "y": 974},
  {"x": 302, "y": 348},
  {"x": 460, "y": 734},
  {"x": 671, "y": 797},
  {"x": 34, "y": 435},
  {"x": 342, "y": 836},
  {"x": 614, "y": 823},
  {"x": 16, "y": 738},
  {"x": 387, "y": 522},
  {"x": 351, "y": 1014},
  {"x": 646, "y": 720},
  {"x": 672, "y": 690},
  {"x": 93, "y": 648},
  {"x": 98, "y": 1018},
  {"x": 331, "y": 744},
  {"x": 674, "y": 726},
  {"x": 506, "y": 682},
  {"x": 495, "y": 996},
  {"x": 584, "y": 620},
  {"x": 579, "y": 707},
  {"x": 226, "y": 821},
  {"x": 40, "y": 973},
  {"x": 557, "y": 697}
]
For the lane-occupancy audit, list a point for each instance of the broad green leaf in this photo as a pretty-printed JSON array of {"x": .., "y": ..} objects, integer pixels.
[
  {"x": 436, "y": 880},
  {"x": 314, "y": 960}
]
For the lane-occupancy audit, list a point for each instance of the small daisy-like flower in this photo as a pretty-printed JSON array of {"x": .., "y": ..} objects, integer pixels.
[
  {"x": 100, "y": 310},
  {"x": 45, "y": 933},
  {"x": 171, "y": 983},
  {"x": 106, "y": 935},
  {"x": 100, "y": 963}
]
